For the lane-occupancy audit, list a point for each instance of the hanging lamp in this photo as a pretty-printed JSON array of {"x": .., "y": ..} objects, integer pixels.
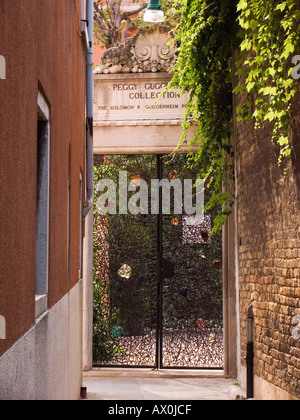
[{"x": 154, "y": 13}]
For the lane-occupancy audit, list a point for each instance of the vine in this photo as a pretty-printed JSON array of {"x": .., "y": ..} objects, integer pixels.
[
  {"x": 270, "y": 40},
  {"x": 267, "y": 35},
  {"x": 207, "y": 37}
]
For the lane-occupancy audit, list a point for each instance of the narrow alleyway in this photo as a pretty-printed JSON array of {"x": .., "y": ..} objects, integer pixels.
[{"x": 144, "y": 384}]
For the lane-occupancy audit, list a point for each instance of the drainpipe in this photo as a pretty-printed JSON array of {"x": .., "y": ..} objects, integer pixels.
[
  {"x": 250, "y": 352},
  {"x": 89, "y": 110},
  {"x": 87, "y": 290}
]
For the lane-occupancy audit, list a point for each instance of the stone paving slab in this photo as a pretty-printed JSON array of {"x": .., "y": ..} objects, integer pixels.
[{"x": 156, "y": 385}]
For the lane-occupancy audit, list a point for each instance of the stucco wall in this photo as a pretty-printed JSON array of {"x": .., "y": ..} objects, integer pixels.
[{"x": 45, "y": 363}]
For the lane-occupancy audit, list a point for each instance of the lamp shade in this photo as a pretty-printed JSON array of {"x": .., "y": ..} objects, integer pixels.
[{"x": 154, "y": 14}]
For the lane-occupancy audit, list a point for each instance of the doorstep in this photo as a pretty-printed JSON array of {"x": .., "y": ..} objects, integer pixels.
[{"x": 153, "y": 373}]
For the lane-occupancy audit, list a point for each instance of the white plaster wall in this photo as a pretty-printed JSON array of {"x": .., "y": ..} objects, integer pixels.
[{"x": 45, "y": 364}]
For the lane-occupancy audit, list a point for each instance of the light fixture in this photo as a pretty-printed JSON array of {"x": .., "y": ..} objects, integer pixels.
[{"x": 153, "y": 13}]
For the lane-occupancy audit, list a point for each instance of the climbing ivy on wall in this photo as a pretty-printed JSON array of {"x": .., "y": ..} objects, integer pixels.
[
  {"x": 270, "y": 40},
  {"x": 267, "y": 35},
  {"x": 207, "y": 38}
]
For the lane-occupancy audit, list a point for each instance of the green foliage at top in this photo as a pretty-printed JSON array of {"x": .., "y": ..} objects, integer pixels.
[
  {"x": 270, "y": 40},
  {"x": 111, "y": 21},
  {"x": 267, "y": 35},
  {"x": 207, "y": 39},
  {"x": 173, "y": 12}
]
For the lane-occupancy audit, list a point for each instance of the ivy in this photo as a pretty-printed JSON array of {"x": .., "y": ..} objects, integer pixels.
[
  {"x": 266, "y": 34},
  {"x": 270, "y": 41},
  {"x": 207, "y": 38}
]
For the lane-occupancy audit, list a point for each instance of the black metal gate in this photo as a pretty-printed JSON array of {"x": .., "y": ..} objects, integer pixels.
[{"x": 157, "y": 280}]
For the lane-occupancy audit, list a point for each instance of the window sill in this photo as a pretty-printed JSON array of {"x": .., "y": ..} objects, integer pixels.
[{"x": 41, "y": 305}]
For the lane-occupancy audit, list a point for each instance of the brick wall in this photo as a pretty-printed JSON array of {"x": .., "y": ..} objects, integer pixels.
[{"x": 268, "y": 207}]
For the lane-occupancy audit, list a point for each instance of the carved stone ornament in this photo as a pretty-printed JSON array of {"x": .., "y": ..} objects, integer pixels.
[{"x": 149, "y": 51}]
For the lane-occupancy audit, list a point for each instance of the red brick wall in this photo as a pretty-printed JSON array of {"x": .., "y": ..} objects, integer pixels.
[
  {"x": 42, "y": 46},
  {"x": 268, "y": 208}
]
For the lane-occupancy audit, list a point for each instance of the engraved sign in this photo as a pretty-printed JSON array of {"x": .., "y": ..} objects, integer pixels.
[
  {"x": 137, "y": 97},
  {"x": 133, "y": 113}
]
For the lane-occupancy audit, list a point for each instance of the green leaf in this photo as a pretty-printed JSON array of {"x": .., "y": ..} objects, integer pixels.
[
  {"x": 242, "y": 5},
  {"x": 250, "y": 86},
  {"x": 246, "y": 45},
  {"x": 289, "y": 49},
  {"x": 283, "y": 141}
]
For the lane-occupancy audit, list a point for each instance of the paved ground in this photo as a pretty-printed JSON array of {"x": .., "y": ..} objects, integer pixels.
[{"x": 125, "y": 384}]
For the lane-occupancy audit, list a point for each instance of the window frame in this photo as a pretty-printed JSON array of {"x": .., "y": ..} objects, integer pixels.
[{"x": 42, "y": 206}]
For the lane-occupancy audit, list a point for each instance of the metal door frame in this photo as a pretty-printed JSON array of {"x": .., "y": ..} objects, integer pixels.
[{"x": 159, "y": 257}]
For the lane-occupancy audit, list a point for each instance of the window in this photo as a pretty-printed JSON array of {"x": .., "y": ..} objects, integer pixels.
[
  {"x": 2, "y": 328},
  {"x": 83, "y": 9},
  {"x": 2, "y": 67},
  {"x": 42, "y": 206},
  {"x": 69, "y": 218},
  {"x": 84, "y": 24},
  {"x": 80, "y": 226}
]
